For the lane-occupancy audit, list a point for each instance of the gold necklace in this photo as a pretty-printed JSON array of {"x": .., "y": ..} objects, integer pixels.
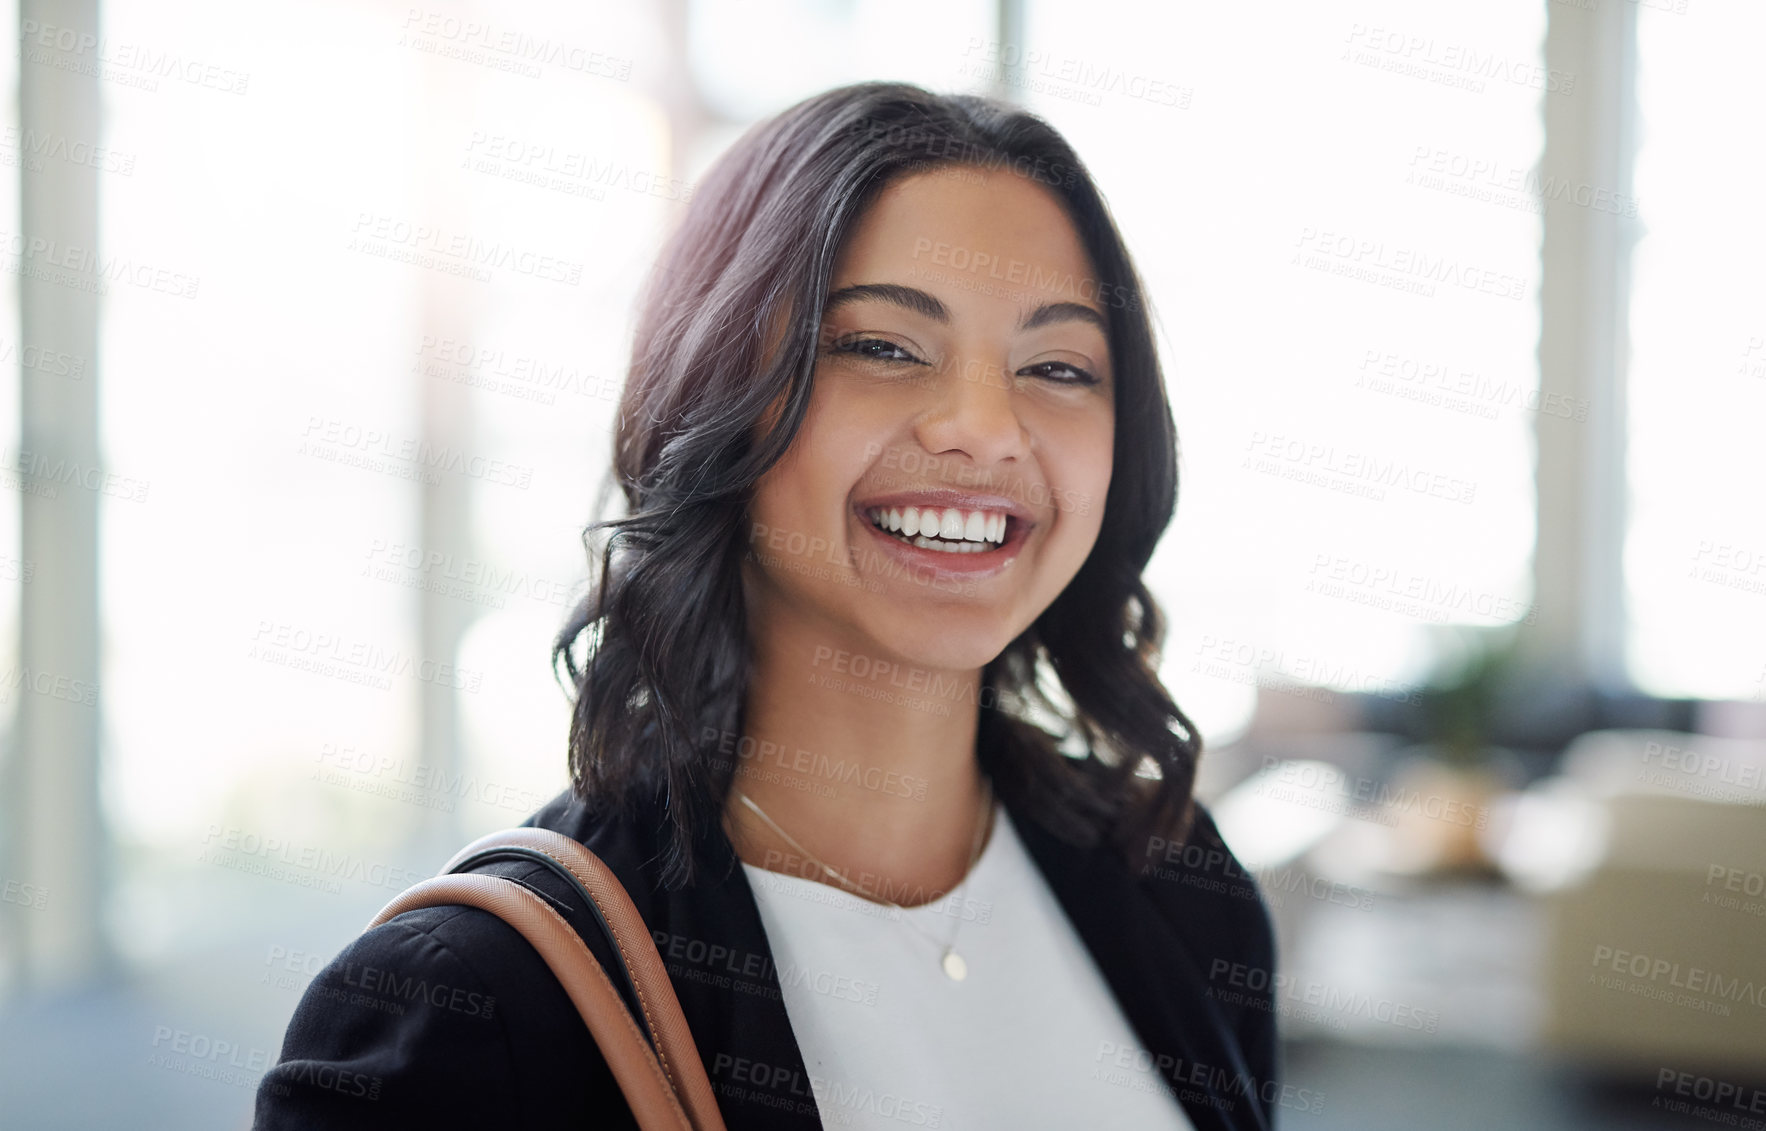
[{"x": 954, "y": 967}]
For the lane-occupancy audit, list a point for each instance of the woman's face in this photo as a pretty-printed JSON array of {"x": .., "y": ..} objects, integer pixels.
[{"x": 963, "y": 386}]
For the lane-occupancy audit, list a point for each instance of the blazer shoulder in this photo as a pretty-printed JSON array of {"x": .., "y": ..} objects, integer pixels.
[
  {"x": 1216, "y": 905},
  {"x": 1200, "y": 873},
  {"x": 440, "y": 1017}
]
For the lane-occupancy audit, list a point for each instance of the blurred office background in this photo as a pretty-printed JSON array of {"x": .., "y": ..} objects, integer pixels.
[{"x": 314, "y": 318}]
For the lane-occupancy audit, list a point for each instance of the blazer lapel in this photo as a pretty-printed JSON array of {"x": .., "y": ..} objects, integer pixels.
[
  {"x": 1154, "y": 977},
  {"x": 715, "y": 947}
]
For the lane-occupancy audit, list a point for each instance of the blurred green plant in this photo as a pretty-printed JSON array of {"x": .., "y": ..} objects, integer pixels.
[{"x": 1460, "y": 700}]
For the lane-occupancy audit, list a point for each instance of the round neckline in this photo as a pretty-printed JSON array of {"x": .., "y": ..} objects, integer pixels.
[{"x": 990, "y": 850}]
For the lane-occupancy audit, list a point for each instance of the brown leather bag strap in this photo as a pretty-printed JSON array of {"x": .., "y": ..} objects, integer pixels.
[
  {"x": 680, "y": 1058},
  {"x": 674, "y": 1063},
  {"x": 640, "y": 1077}
]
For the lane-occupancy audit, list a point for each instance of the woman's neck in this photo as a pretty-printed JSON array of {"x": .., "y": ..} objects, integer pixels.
[{"x": 867, "y": 762}]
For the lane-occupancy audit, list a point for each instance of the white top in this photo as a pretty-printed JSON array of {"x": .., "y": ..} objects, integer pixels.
[{"x": 1031, "y": 1038}]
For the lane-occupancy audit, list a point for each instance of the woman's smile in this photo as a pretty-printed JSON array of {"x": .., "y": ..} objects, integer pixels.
[{"x": 975, "y": 536}]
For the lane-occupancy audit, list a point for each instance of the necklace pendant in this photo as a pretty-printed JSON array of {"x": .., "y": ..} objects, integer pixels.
[{"x": 954, "y": 966}]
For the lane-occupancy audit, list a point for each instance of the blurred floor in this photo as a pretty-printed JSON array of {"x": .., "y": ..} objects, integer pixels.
[
  {"x": 1447, "y": 1089},
  {"x": 87, "y": 1062}
]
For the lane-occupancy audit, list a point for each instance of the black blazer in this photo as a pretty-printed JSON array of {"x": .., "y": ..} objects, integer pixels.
[{"x": 445, "y": 1017}]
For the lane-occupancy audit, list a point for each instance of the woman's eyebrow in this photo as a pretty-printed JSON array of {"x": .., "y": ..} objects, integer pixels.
[
  {"x": 912, "y": 298},
  {"x": 918, "y": 301},
  {"x": 1063, "y": 312}
]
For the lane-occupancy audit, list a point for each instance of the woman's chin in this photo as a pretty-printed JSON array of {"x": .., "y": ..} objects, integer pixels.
[{"x": 945, "y": 645}]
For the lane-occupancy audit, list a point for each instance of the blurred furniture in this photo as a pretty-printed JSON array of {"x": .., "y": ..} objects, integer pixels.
[{"x": 1649, "y": 850}]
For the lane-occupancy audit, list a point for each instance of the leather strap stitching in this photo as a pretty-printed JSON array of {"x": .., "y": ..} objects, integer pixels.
[{"x": 661, "y": 1055}]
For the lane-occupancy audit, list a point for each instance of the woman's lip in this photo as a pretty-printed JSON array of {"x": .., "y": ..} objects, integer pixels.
[{"x": 968, "y": 567}]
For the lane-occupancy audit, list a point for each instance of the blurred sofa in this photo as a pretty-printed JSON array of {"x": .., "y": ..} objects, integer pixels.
[{"x": 1648, "y": 850}]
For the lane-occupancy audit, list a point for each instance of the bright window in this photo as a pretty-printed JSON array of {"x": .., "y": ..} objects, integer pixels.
[{"x": 1695, "y": 551}]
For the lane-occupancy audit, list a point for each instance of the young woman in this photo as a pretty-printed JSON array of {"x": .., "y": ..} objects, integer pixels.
[{"x": 866, "y": 712}]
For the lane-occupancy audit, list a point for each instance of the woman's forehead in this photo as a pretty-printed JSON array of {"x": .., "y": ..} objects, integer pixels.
[{"x": 988, "y": 222}]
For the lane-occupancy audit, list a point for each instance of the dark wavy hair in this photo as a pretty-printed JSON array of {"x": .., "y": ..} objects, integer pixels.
[{"x": 728, "y": 329}]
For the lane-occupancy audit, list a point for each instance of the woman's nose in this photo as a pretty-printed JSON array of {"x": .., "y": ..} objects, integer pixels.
[{"x": 976, "y": 412}]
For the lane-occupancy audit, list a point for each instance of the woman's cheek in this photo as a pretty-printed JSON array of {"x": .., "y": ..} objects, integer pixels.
[{"x": 1077, "y": 454}]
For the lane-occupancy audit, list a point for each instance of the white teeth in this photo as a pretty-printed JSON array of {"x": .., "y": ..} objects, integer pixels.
[
  {"x": 949, "y": 529},
  {"x": 948, "y": 547}
]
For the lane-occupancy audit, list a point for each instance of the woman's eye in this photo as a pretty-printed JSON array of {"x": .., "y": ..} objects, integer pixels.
[
  {"x": 1059, "y": 372},
  {"x": 875, "y": 349}
]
